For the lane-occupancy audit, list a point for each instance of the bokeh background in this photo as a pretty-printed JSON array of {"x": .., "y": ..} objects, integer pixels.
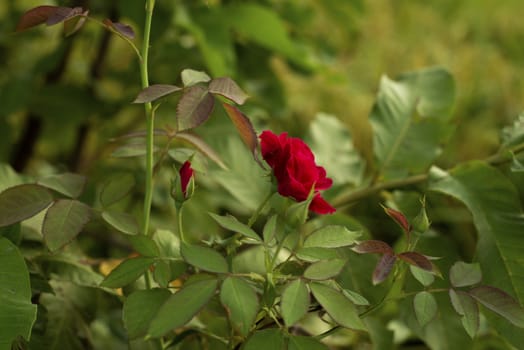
[
  {"x": 65, "y": 102},
  {"x": 62, "y": 99}
]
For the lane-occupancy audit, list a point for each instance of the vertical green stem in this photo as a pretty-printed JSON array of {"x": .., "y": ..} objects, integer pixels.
[{"x": 150, "y": 122}]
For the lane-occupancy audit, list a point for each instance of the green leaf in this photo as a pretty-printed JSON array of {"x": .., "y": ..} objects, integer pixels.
[
  {"x": 297, "y": 342},
  {"x": 241, "y": 303},
  {"x": 424, "y": 277},
  {"x": 425, "y": 307},
  {"x": 497, "y": 215},
  {"x": 116, "y": 188},
  {"x": 204, "y": 258},
  {"x": 213, "y": 36},
  {"x": 468, "y": 308},
  {"x": 411, "y": 121},
  {"x": 168, "y": 243},
  {"x": 332, "y": 236},
  {"x": 245, "y": 180},
  {"x": 202, "y": 146},
  {"x": 463, "y": 274},
  {"x": 333, "y": 147},
  {"x": 182, "y": 306},
  {"x": 64, "y": 318},
  {"x": 8, "y": 177},
  {"x": 12, "y": 233},
  {"x": 231, "y": 223},
  {"x": 513, "y": 135},
  {"x": 263, "y": 26},
  {"x": 324, "y": 269},
  {"x": 162, "y": 273},
  {"x": 132, "y": 148},
  {"x": 71, "y": 185},
  {"x": 144, "y": 245},
  {"x": 271, "y": 338},
  {"x": 122, "y": 222},
  {"x": 75, "y": 23},
  {"x": 154, "y": 92},
  {"x": 128, "y": 271},
  {"x": 294, "y": 302},
  {"x": 191, "y": 77},
  {"x": 17, "y": 314},
  {"x": 72, "y": 269},
  {"x": 341, "y": 310},
  {"x": 22, "y": 202},
  {"x": 355, "y": 297},
  {"x": 313, "y": 254},
  {"x": 270, "y": 229},
  {"x": 140, "y": 308},
  {"x": 227, "y": 88},
  {"x": 500, "y": 302},
  {"x": 194, "y": 107},
  {"x": 63, "y": 222}
]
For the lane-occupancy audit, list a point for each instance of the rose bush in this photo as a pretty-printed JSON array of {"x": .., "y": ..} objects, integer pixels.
[{"x": 295, "y": 169}]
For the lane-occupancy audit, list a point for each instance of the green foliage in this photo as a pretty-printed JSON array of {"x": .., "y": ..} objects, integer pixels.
[
  {"x": 432, "y": 267},
  {"x": 16, "y": 310}
]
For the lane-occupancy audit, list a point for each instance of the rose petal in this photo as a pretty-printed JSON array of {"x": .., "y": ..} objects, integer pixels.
[
  {"x": 320, "y": 206},
  {"x": 271, "y": 147},
  {"x": 186, "y": 173}
]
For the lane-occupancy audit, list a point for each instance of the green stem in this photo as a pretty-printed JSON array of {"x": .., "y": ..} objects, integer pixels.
[
  {"x": 150, "y": 126},
  {"x": 355, "y": 195},
  {"x": 180, "y": 226},
  {"x": 150, "y": 122},
  {"x": 123, "y": 37},
  {"x": 257, "y": 212}
]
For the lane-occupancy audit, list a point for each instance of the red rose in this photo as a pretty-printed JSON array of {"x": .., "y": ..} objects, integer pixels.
[
  {"x": 295, "y": 169},
  {"x": 186, "y": 173}
]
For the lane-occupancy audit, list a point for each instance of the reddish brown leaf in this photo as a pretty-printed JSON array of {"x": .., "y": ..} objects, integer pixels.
[
  {"x": 500, "y": 302},
  {"x": 227, "y": 88},
  {"x": 418, "y": 260},
  {"x": 154, "y": 92},
  {"x": 121, "y": 28},
  {"x": 194, "y": 108},
  {"x": 383, "y": 268},
  {"x": 373, "y": 246},
  {"x": 35, "y": 16},
  {"x": 201, "y": 146},
  {"x": 63, "y": 13},
  {"x": 399, "y": 218},
  {"x": 245, "y": 129}
]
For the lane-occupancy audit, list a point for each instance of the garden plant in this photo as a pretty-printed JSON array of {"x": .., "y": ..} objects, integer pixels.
[{"x": 254, "y": 239}]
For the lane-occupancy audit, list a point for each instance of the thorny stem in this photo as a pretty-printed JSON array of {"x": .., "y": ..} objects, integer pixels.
[
  {"x": 257, "y": 212},
  {"x": 150, "y": 128},
  {"x": 353, "y": 196},
  {"x": 150, "y": 122}
]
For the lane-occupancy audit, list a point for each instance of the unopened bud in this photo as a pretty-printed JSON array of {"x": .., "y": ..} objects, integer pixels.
[
  {"x": 183, "y": 186},
  {"x": 421, "y": 222}
]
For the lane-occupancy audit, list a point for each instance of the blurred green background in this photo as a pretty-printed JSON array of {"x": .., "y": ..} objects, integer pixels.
[{"x": 62, "y": 99}]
